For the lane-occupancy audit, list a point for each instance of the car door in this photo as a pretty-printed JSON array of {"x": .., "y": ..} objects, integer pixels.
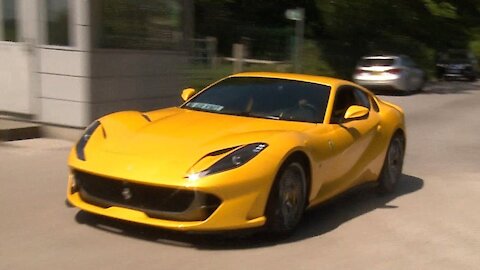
[{"x": 349, "y": 142}]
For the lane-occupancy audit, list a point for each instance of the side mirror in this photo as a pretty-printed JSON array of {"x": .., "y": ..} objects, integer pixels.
[
  {"x": 356, "y": 112},
  {"x": 188, "y": 93}
]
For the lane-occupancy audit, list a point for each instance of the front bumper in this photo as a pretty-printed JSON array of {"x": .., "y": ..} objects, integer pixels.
[
  {"x": 224, "y": 205},
  {"x": 463, "y": 73}
]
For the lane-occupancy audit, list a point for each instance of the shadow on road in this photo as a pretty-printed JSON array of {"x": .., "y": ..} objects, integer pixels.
[
  {"x": 317, "y": 221},
  {"x": 333, "y": 214}
]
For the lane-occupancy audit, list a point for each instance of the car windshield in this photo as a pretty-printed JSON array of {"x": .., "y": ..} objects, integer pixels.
[
  {"x": 270, "y": 98},
  {"x": 454, "y": 57},
  {"x": 376, "y": 62}
]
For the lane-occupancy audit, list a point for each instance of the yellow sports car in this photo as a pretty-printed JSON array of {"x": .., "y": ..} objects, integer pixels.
[{"x": 251, "y": 150}]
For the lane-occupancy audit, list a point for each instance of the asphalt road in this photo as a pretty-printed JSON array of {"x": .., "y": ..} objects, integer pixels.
[{"x": 431, "y": 222}]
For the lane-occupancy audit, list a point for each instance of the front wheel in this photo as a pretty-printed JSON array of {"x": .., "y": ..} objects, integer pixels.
[
  {"x": 287, "y": 199},
  {"x": 392, "y": 166}
]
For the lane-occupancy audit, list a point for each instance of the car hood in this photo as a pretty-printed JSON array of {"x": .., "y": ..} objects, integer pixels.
[
  {"x": 175, "y": 139},
  {"x": 179, "y": 130}
]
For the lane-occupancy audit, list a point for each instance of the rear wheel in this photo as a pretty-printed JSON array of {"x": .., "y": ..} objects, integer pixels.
[
  {"x": 287, "y": 199},
  {"x": 392, "y": 166}
]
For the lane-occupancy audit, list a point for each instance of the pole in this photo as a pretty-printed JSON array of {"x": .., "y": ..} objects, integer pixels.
[
  {"x": 297, "y": 15},
  {"x": 238, "y": 52}
]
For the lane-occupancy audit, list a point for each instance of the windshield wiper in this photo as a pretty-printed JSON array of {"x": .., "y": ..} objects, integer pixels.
[{"x": 255, "y": 115}]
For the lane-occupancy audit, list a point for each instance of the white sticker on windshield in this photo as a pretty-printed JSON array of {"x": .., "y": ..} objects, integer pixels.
[{"x": 205, "y": 106}]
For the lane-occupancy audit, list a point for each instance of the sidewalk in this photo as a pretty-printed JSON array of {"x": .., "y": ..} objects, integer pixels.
[{"x": 14, "y": 130}]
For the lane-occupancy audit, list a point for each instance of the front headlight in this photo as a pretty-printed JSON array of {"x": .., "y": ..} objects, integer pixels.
[
  {"x": 233, "y": 160},
  {"x": 84, "y": 139}
]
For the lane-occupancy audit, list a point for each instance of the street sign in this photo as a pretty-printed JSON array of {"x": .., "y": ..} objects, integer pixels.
[{"x": 296, "y": 14}]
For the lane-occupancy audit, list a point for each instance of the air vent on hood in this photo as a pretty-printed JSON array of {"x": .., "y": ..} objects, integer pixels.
[{"x": 146, "y": 117}]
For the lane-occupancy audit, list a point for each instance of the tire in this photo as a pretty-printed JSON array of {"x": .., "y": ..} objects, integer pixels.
[
  {"x": 392, "y": 166},
  {"x": 287, "y": 199}
]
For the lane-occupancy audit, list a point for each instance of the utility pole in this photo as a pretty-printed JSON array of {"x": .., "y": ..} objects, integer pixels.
[{"x": 297, "y": 15}]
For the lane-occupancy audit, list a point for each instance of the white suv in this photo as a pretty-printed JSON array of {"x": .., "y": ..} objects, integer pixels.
[{"x": 389, "y": 72}]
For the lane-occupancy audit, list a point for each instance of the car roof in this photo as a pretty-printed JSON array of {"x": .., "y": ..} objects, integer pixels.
[{"x": 295, "y": 77}]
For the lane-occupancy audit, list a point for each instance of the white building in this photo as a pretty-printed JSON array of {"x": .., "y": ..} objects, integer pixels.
[{"x": 67, "y": 62}]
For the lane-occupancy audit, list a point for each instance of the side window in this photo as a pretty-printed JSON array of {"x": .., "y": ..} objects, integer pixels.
[
  {"x": 362, "y": 98},
  {"x": 343, "y": 99},
  {"x": 57, "y": 22},
  {"x": 374, "y": 104},
  {"x": 347, "y": 96},
  {"x": 9, "y": 25}
]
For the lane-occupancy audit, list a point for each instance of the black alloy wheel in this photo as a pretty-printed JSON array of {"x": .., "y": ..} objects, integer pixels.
[
  {"x": 392, "y": 166},
  {"x": 287, "y": 199}
]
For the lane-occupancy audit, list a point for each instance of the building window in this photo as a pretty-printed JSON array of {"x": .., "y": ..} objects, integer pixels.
[
  {"x": 57, "y": 18},
  {"x": 141, "y": 24},
  {"x": 9, "y": 20}
]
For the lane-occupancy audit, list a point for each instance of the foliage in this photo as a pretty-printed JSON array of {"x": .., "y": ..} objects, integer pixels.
[
  {"x": 344, "y": 30},
  {"x": 128, "y": 24}
]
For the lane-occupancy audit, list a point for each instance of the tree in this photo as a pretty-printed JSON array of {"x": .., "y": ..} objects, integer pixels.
[{"x": 346, "y": 30}]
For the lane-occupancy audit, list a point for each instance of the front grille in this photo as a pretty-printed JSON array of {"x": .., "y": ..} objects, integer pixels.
[{"x": 154, "y": 201}]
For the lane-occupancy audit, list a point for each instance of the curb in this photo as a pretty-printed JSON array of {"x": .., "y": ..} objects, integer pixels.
[{"x": 13, "y": 131}]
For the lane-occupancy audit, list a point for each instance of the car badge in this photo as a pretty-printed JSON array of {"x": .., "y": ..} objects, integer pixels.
[{"x": 126, "y": 193}]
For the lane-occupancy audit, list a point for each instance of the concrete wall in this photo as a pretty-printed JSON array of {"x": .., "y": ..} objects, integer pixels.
[
  {"x": 18, "y": 90},
  {"x": 15, "y": 95},
  {"x": 80, "y": 83},
  {"x": 64, "y": 71},
  {"x": 73, "y": 85},
  {"x": 78, "y": 87},
  {"x": 65, "y": 87}
]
